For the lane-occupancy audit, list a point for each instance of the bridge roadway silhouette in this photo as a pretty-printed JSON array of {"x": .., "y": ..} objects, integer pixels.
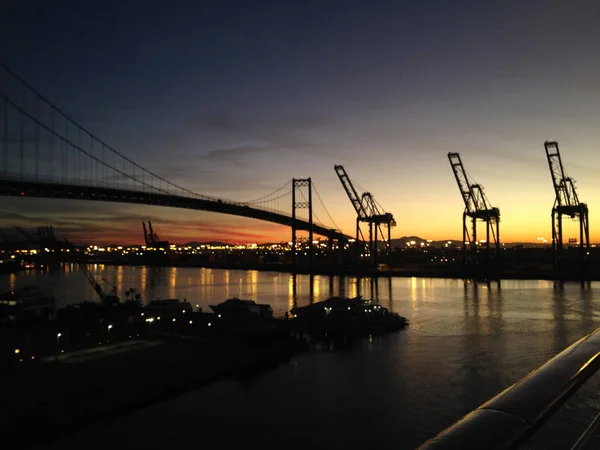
[{"x": 17, "y": 188}]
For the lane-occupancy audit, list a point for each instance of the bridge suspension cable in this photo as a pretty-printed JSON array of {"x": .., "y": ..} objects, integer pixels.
[
  {"x": 267, "y": 197},
  {"x": 101, "y": 144},
  {"x": 324, "y": 207}
]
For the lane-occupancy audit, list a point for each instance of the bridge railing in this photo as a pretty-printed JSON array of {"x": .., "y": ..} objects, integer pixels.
[{"x": 509, "y": 419}]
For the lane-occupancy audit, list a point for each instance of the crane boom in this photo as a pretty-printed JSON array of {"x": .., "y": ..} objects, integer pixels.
[
  {"x": 466, "y": 190},
  {"x": 153, "y": 236},
  {"x": 145, "y": 234},
  {"x": 25, "y": 234},
  {"x": 351, "y": 191},
  {"x": 108, "y": 299},
  {"x": 564, "y": 187}
]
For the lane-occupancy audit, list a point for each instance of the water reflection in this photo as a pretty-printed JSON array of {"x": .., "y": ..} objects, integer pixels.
[
  {"x": 374, "y": 286},
  {"x": 292, "y": 283},
  {"x": 410, "y": 297},
  {"x": 331, "y": 285},
  {"x": 144, "y": 278},
  {"x": 587, "y": 315},
  {"x": 390, "y": 296},
  {"x": 558, "y": 310},
  {"x": 226, "y": 282},
  {"x": 311, "y": 288},
  {"x": 119, "y": 280},
  {"x": 341, "y": 286}
]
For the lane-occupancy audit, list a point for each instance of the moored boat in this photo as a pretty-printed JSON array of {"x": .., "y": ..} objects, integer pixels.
[
  {"x": 235, "y": 307},
  {"x": 345, "y": 316}
]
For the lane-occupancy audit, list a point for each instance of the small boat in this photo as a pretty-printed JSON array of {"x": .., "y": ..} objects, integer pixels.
[{"x": 235, "y": 307}]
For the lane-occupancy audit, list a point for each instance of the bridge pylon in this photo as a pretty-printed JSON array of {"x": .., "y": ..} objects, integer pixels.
[{"x": 306, "y": 203}]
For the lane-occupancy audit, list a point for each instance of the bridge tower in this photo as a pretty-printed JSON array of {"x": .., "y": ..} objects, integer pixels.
[
  {"x": 300, "y": 185},
  {"x": 476, "y": 208},
  {"x": 566, "y": 203}
]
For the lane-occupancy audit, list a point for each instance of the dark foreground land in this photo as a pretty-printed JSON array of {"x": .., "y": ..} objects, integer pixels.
[{"x": 44, "y": 399}]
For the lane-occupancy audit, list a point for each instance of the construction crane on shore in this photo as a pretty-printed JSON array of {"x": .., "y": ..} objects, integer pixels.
[
  {"x": 368, "y": 211},
  {"x": 566, "y": 203},
  {"x": 477, "y": 208}
]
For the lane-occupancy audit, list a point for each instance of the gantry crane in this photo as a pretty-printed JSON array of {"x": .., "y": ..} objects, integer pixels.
[
  {"x": 476, "y": 208},
  {"x": 566, "y": 203},
  {"x": 368, "y": 211},
  {"x": 152, "y": 238},
  {"x": 108, "y": 299}
]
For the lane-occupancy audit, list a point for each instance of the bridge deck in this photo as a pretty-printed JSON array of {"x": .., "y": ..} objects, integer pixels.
[{"x": 76, "y": 192}]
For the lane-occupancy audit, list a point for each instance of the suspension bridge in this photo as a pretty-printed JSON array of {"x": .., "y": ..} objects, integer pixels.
[{"x": 45, "y": 153}]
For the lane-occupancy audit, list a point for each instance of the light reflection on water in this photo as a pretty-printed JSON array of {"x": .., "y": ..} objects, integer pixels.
[{"x": 466, "y": 342}]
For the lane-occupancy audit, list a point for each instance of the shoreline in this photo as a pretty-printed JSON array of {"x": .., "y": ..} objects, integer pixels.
[{"x": 450, "y": 273}]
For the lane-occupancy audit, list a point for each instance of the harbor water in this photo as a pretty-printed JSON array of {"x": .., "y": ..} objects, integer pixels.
[{"x": 466, "y": 342}]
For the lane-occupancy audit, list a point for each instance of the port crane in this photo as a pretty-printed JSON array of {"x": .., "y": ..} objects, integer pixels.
[
  {"x": 477, "y": 208},
  {"x": 46, "y": 233},
  {"x": 566, "y": 203},
  {"x": 108, "y": 299},
  {"x": 368, "y": 211},
  {"x": 151, "y": 238}
]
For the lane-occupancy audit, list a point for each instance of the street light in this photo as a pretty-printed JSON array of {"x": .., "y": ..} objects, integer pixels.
[
  {"x": 150, "y": 320},
  {"x": 108, "y": 333},
  {"x": 58, "y": 335}
]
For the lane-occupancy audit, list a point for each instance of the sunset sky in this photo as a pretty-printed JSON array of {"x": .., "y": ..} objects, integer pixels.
[{"x": 233, "y": 99}]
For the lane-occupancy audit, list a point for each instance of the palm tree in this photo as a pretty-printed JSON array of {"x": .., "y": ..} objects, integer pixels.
[{"x": 130, "y": 293}]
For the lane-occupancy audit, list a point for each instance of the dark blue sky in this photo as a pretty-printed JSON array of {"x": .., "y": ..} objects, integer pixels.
[{"x": 234, "y": 98}]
